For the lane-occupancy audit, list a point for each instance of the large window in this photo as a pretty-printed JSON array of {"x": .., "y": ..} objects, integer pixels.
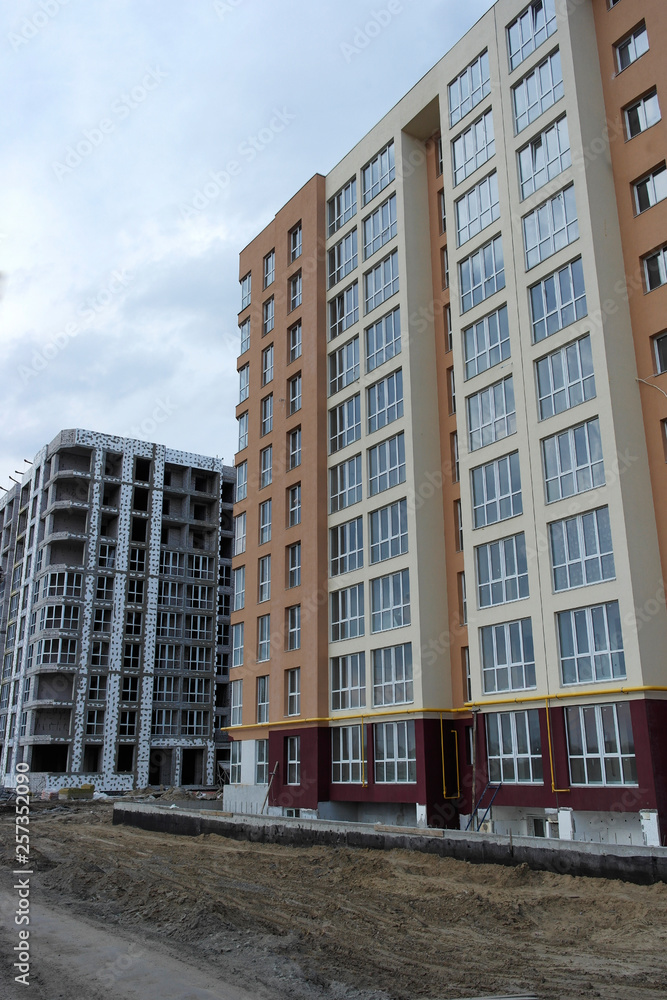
[
  {"x": 239, "y": 588},
  {"x": 632, "y": 47},
  {"x": 530, "y": 29},
  {"x": 295, "y": 242},
  {"x": 390, "y": 601},
  {"x": 264, "y": 522},
  {"x": 261, "y": 762},
  {"x": 345, "y": 484},
  {"x": 482, "y": 274},
  {"x": 642, "y": 115},
  {"x": 246, "y": 287},
  {"x": 293, "y": 620},
  {"x": 550, "y": 227},
  {"x": 269, "y": 268},
  {"x": 295, "y": 388},
  {"x": 377, "y": 174},
  {"x": 385, "y": 401},
  {"x": 268, "y": 313},
  {"x": 395, "y": 752},
  {"x": 380, "y": 227},
  {"x": 344, "y": 366},
  {"x": 600, "y": 744},
  {"x": 243, "y": 431},
  {"x": 491, "y": 414},
  {"x": 573, "y": 461},
  {"x": 348, "y": 681},
  {"x": 295, "y": 291},
  {"x": 651, "y": 189},
  {"x": 487, "y": 342},
  {"x": 469, "y": 88},
  {"x": 344, "y": 310},
  {"x": 381, "y": 282},
  {"x": 389, "y": 531},
  {"x": 294, "y": 565},
  {"x": 237, "y": 644},
  {"x": 502, "y": 571},
  {"x": 581, "y": 550},
  {"x": 386, "y": 464},
  {"x": 537, "y": 91},
  {"x": 496, "y": 490},
  {"x": 266, "y": 415},
  {"x": 347, "y": 613},
  {"x": 241, "y": 481},
  {"x": 508, "y": 657},
  {"x": 244, "y": 329},
  {"x": 264, "y": 579},
  {"x": 244, "y": 378},
  {"x": 265, "y": 466},
  {"x": 239, "y": 533},
  {"x": 544, "y": 157},
  {"x": 263, "y": 637},
  {"x": 346, "y": 545},
  {"x": 294, "y": 505},
  {"x": 565, "y": 378},
  {"x": 473, "y": 147},
  {"x": 235, "y": 762},
  {"x": 392, "y": 675},
  {"x": 342, "y": 258},
  {"x": 343, "y": 206},
  {"x": 236, "y": 701},
  {"x": 294, "y": 691},
  {"x": 514, "y": 746},
  {"x": 477, "y": 209},
  {"x": 383, "y": 339},
  {"x": 345, "y": 423},
  {"x": 295, "y": 342},
  {"x": 294, "y": 448},
  {"x": 591, "y": 644},
  {"x": 655, "y": 269},
  {"x": 267, "y": 365},
  {"x": 558, "y": 300},
  {"x": 346, "y": 754}
]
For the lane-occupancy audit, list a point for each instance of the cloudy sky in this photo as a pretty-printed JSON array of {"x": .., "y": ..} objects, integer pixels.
[{"x": 119, "y": 226}]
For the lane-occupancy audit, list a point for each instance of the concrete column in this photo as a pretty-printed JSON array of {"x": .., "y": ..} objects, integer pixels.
[
  {"x": 650, "y": 827},
  {"x": 566, "y": 824},
  {"x": 421, "y": 815}
]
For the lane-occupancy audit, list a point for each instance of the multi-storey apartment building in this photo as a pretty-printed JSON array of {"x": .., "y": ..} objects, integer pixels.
[
  {"x": 111, "y": 584},
  {"x": 450, "y": 502}
]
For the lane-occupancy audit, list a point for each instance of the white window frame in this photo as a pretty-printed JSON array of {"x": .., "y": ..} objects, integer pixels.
[
  {"x": 388, "y": 531},
  {"x": 345, "y": 423},
  {"x": 384, "y": 401},
  {"x": 346, "y": 547},
  {"x": 344, "y": 366},
  {"x": 295, "y": 393},
  {"x": 269, "y": 268},
  {"x": 295, "y": 342},
  {"x": 379, "y": 227},
  {"x": 263, "y": 698},
  {"x": 265, "y": 515},
  {"x": 486, "y": 342},
  {"x": 266, "y": 466},
  {"x": 295, "y": 291},
  {"x": 547, "y": 295},
  {"x": 507, "y": 656},
  {"x": 244, "y": 333},
  {"x": 496, "y": 490},
  {"x": 264, "y": 579},
  {"x": 239, "y": 588},
  {"x": 643, "y": 113},
  {"x": 347, "y": 613},
  {"x": 240, "y": 522},
  {"x": 235, "y": 752},
  {"x": 294, "y": 446},
  {"x": 469, "y": 88},
  {"x": 386, "y": 464},
  {"x": 348, "y": 760},
  {"x": 294, "y": 691},
  {"x": 477, "y": 208},
  {"x": 655, "y": 269},
  {"x": 243, "y": 431},
  {"x": 348, "y": 682},
  {"x": 342, "y": 258},
  {"x": 517, "y": 737},
  {"x": 378, "y": 173},
  {"x": 390, "y": 601},
  {"x": 294, "y": 505},
  {"x": 293, "y": 617},
  {"x": 544, "y": 157},
  {"x": 345, "y": 484},
  {"x": 244, "y": 383},
  {"x": 267, "y": 365},
  {"x": 263, "y": 638},
  {"x": 246, "y": 290},
  {"x": 530, "y": 96},
  {"x": 342, "y": 207},
  {"x": 565, "y": 378},
  {"x": 472, "y": 148},
  {"x": 530, "y": 30},
  {"x": 296, "y": 242},
  {"x": 632, "y": 47},
  {"x": 502, "y": 571},
  {"x": 261, "y": 762},
  {"x": 294, "y": 565},
  {"x": 550, "y": 227},
  {"x": 393, "y": 675},
  {"x": 605, "y": 745},
  {"x": 344, "y": 310},
  {"x": 395, "y": 752},
  {"x": 473, "y": 291},
  {"x": 590, "y": 644},
  {"x": 581, "y": 550},
  {"x": 266, "y": 418},
  {"x": 578, "y": 476},
  {"x": 268, "y": 316},
  {"x": 383, "y": 339},
  {"x": 381, "y": 282},
  {"x": 491, "y": 414},
  {"x": 293, "y": 755},
  {"x": 653, "y": 192}
]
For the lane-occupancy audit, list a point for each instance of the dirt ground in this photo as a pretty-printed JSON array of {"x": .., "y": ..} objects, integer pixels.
[{"x": 241, "y": 920}]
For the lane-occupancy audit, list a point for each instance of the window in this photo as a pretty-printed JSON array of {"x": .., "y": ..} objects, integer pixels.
[
  {"x": 241, "y": 481},
  {"x": 544, "y": 157},
  {"x": 530, "y": 30},
  {"x": 235, "y": 762},
  {"x": 294, "y": 565},
  {"x": 246, "y": 284},
  {"x": 660, "y": 347},
  {"x": 137, "y": 560},
  {"x": 514, "y": 746},
  {"x": 442, "y": 213},
  {"x": 239, "y": 533},
  {"x": 508, "y": 657},
  {"x": 390, "y": 601},
  {"x": 346, "y": 545},
  {"x": 264, "y": 577},
  {"x": 392, "y": 675},
  {"x": 632, "y": 47},
  {"x": 537, "y": 91},
  {"x": 473, "y": 147},
  {"x": 165, "y": 689},
  {"x": 245, "y": 336},
  {"x": 389, "y": 531},
  {"x": 486, "y": 343},
  {"x": 269, "y": 268},
  {"x": 346, "y": 754},
  {"x": 348, "y": 681},
  {"x": 600, "y": 744},
  {"x": 294, "y": 627},
  {"x": 130, "y": 689},
  {"x": 265, "y": 466},
  {"x": 573, "y": 461},
  {"x": 591, "y": 644},
  {"x": 295, "y": 342},
  {"x": 343, "y": 206},
  {"x": 477, "y": 209},
  {"x": 655, "y": 269},
  {"x": 651, "y": 189},
  {"x": 482, "y": 274},
  {"x": 104, "y": 591},
  {"x": 237, "y": 644},
  {"x": 344, "y": 310},
  {"x": 164, "y": 722},
  {"x": 97, "y": 689},
  {"x": 294, "y": 447},
  {"x": 101, "y": 620},
  {"x": 264, "y": 523},
  {"x": 99, "y": 656},
  {"x": 469, "y": 88},
  {"x": 135, "y": 591},
  {"x": 381, "y": 282},
  {"x": 642, "y": 115},
  {"x": 295, "y": 242},
  {"x": 438, "y": 157},
  {"x": 295, "y": 393},
  {"x": 445, "y": 267},
  {"x": 263, "y": 637},
  {"x": 550, "y": 227},
  {"x": 294, "y": 691},
  {"x": 342, "y": 258},
  {"x": 263, "y": 699},
  {"x": 379, "y": 227},
  {"x": 385, "y": 401},
  {"x": 378, "y": 173},
  {"x": 496, "y": 490},
  {"x": 491, "y": 414},
  {"x": 386, "y": 464},
  {"x": 294, "y": 505},
  {"x": 345, "y": 423},
  {"x": 243, "y": 431},
  {"x": 128, "y": 724},
  {"x": 267, "y": 365},
  {"x": 558, "y": 300},
  {"x": 239, "y": 588},
  {"x": 167, "y": 657},
  {"x": 502, "y": 571},
  {"x": 262, "y": 760},
  {"x": 267, "y": 316},
  {"x": 395, "y": 752},
  {"x": 236, "y": 701},
  {"x": 94, "y": 722},
  {"x": 267, "y": 415},
  {"x": 344, "y": 366},
  {"x": 107, "y": 559},
  {"x": 293, "y": 760},
  {"x": 454, "y": 448},
  {"x": 295, "y": 291},
  {"x": 581, "y": 550},
  {"x": 347, "y": 613},
  {"x": 565, "y": 378},
  {"x": 458, "y": 514},
  {"x": 383, "y": 339},
  {"x": 345, "y": 484}
]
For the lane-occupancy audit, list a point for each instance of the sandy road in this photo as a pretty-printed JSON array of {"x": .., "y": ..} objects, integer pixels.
[{"x": 331, "y": 923}]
